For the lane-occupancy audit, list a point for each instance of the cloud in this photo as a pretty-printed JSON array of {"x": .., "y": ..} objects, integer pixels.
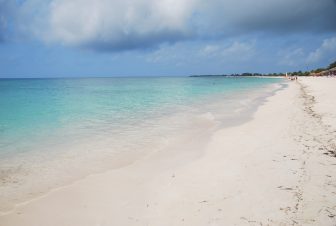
[
  {"x": 291, "y": 56},
  {"x": 210, "y": 50},
  {"x": 6, "y": 13},
  {"x": 243, "y": 16},
  {"x": 327, "y": 51},
  {"x": 239, "y": 50},
  {"x": 236, "y": 51},
  {"x": 217, "y": 51},
  {"x": 174, "y": 54},
  {"x": 115, "y": 25}
]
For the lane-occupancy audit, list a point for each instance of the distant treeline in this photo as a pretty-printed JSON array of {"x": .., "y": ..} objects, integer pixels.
[
  {"x": 313, "y": 72},
  {"x": 295, "y": 73},
  {"x": 243, "y": 74}
]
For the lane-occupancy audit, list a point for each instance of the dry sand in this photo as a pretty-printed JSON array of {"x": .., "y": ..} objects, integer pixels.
[{"x": 277, "y": 169}]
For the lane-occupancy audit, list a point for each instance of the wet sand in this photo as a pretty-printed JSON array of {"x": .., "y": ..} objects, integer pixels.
[{"x": 276, "y": 169}]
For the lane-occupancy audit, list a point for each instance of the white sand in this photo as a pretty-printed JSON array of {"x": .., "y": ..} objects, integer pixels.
[{"x": 271, "y": 170}]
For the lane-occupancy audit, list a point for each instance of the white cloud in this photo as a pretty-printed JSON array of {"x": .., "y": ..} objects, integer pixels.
[
  {"x": 239, "y": 49},
  {"x": 210, "y": 50},
  {"x": 176, "y": 54},
  {"x": 191, "y": 55},
  {"x": 326, "y": 51},
  {"x": 235, "y": 51},
  {"x": 291, "y": 56},
  {"x": 117, "y": 24}
]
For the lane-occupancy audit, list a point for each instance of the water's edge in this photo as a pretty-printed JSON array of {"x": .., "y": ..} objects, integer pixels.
[{"x": 209, "y": 123}]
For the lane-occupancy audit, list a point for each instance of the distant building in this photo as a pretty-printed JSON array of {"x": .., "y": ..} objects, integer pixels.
[{"x": 330, "y": 72}]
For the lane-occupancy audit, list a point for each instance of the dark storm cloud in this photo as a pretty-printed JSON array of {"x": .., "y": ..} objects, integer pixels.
[
  {"x": 130, "y": 42},
  {"x": 116, "y": 25},
  {"x": 226, "y": 17}
]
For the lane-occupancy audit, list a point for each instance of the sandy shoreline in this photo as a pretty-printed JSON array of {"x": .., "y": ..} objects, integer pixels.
[{"x": 276, "y": 169}]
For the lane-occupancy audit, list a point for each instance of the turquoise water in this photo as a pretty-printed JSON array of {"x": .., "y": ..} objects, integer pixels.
[
  {"x": 56, "y": 131},
  {"x": 33, "y": 108}
]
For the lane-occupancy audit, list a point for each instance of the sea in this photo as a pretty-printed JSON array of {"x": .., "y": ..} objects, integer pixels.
[{"x": 54, "y": 131}]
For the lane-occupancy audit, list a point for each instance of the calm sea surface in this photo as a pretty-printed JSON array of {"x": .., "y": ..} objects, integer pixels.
[
  {"x": 53, "y": 131},
  {"x": 34, "y": 108}
]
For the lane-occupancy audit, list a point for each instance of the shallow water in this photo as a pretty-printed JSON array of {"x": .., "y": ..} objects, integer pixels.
[{"x": 54, "y": 131}]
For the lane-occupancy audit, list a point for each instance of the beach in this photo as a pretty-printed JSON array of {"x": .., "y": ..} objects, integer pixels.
[{"x": 276, "y": 168}]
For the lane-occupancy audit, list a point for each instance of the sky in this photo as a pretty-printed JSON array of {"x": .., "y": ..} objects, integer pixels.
[{"x": 72, "y": 38}]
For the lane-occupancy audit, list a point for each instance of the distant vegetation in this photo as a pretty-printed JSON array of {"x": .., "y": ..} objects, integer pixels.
[
  {"x": 332, "y": 65},
  {"x": 314, "y": 72},
  {"x": 295, "y": 73}
]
